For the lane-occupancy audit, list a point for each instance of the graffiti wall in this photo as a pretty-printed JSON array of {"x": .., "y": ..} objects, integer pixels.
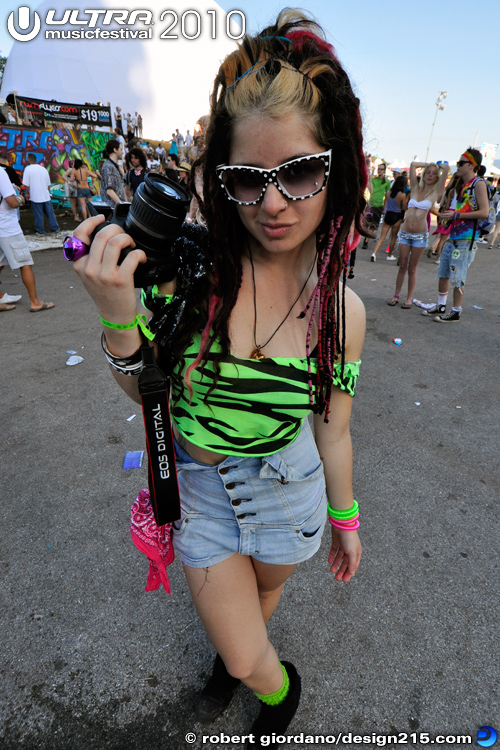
[{"x": 53, "y": 147}]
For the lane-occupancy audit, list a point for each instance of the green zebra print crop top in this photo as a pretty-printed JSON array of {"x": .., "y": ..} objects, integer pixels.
[{"x": 257, "y": 407}]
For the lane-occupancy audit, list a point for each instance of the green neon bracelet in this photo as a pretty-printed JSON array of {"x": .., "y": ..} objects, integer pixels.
[
  {"x": 140, "y": 321},
  {"x": 343, "y": 515}
]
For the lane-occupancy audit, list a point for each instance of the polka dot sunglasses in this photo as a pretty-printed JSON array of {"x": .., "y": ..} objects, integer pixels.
[{"x": 296, "y": 179}]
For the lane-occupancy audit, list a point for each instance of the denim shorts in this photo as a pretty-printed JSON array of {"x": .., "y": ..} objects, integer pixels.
[
  {"x": 83, "y": 193},
  {"x": 455, "y": 261},
  {"x": 271, "y": 508},
  {"x": 412, "y": 239}
]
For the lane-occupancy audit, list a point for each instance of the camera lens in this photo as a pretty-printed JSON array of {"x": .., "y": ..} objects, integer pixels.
[{"x": 156, "y": 215}]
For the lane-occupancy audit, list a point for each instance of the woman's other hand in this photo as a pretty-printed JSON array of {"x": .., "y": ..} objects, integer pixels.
[{"x": 345, "y": 554}]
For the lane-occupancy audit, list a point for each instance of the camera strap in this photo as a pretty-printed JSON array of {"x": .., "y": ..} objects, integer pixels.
[{"x": 162, "y": 473}]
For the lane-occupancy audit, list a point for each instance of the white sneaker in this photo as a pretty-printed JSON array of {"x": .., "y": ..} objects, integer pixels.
[
  {"x": 482, "y": 242},
  {"x": 390, "y": 257},
  {"x": 373, "y": 258},
  {"x": 9, "y": 299}
]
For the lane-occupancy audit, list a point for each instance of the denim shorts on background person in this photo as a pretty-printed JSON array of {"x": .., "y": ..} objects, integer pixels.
[
  {"x": 272, "y": 508},
  {"x": 412, "y": 239},
  {"x": 83, "y": 193},
  {"x": 455, "y": 261}
]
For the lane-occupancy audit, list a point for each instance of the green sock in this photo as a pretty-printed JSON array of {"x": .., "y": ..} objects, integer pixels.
[{"x": 274, "y": 699}]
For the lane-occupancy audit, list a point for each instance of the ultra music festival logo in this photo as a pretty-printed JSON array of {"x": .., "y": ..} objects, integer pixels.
[{"x": 24, "y": 25}]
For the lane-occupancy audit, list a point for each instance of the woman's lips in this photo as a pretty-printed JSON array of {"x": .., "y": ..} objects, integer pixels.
[{"x": 276, "y": 230}]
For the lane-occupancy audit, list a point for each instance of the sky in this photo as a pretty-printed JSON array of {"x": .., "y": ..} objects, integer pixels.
[{"x": 399, "y": 56}]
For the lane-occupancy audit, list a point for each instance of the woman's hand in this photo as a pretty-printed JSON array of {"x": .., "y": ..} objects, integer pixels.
[
  {"x": 345, "y": 554},
  {"x": 110, "y": 285}
]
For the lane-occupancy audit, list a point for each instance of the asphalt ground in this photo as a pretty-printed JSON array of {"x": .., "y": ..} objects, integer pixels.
[{"x": 89, "y": 661}]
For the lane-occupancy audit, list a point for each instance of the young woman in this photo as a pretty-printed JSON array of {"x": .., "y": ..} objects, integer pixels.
[
  {"x": 414, "y": 233},
  {"x": 394, "y": 214},
  {"x": 273, "y": 337},
  {"x": 80, "y": 175}
]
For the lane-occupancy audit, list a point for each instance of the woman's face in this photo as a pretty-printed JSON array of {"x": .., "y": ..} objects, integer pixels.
[
  {"x": 431, "y": 175},
  {"x": 277, "y": 223}
]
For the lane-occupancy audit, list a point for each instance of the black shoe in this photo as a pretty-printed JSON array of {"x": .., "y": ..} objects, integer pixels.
[
  {"x": 277, "y": 718},
  {"x": 452, "y": 317},
  {"x": 217, "y": 693},
  {"x": 436, "y": 310},
  {"x": 364, "y": 245},
  {"x": 350, "y": 275}
]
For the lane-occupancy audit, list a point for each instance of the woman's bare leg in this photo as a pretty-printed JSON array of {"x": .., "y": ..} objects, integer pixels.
[
  {"x": 393, "y": 237},
  {"x": 415, "y": 255},
  {"x": 83, "y": 207},
  {"x": 234, "y": 599},
  {"x": 404, "y": 251},
  {"x": 385, "y": 229}
]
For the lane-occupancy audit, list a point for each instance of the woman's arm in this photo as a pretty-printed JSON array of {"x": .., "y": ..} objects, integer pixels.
[
  {"x": 445, "y": 168},
  {"x": 413, "y": 173},
  {"x": 335, "y": 449},
  {"x": 111, "y": 286},
  {"x": 401, "y": 199}
]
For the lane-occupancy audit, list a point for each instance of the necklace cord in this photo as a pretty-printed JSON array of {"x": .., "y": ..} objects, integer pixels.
[{"x": 257, "y": 354}]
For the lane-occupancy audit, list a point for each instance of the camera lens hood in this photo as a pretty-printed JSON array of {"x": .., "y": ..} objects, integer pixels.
[{"x": 156, "y": 214}]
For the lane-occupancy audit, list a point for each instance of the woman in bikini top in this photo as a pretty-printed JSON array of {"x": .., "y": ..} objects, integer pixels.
[{"x": 414, "y": 233}]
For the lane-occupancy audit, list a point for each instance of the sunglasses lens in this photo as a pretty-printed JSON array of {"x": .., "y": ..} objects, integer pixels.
[
  {"x": 303, "y": 177},
  {"x": 243, "y": 185}
]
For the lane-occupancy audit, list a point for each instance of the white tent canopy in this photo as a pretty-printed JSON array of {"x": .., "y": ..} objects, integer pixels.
[
  {"x": 397, "y": 164},
  {"x": 168, "y": 81}
]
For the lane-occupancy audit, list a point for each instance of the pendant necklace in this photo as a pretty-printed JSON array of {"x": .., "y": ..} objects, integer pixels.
[{"x": 257, "y": 352}]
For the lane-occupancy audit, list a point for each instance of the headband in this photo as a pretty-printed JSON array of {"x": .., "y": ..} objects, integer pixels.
[{"x": 469, "y": 157}]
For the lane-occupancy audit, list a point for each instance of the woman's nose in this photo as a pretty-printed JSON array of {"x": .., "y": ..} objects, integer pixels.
[{"x": 273, "y": 201}]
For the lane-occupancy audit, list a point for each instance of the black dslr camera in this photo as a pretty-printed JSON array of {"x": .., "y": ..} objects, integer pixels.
[{"x": 153, "y": 220}]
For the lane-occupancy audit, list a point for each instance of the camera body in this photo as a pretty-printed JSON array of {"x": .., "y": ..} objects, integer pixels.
[{"x": 153, "y": 219}]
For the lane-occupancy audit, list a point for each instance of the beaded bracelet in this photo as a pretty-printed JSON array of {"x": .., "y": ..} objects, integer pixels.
[
  {"x": 124, "y": 365},
  {"x": 140, "y": 321}
]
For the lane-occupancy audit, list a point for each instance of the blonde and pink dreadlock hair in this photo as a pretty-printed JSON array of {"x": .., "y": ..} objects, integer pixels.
[{"x": 261, "y": 77}]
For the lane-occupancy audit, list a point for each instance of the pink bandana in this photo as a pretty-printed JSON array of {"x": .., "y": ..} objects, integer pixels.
[{"x": 155, "y": 541}]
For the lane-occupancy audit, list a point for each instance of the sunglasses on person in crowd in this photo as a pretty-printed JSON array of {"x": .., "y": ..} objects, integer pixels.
[
  {"x": 296, "y": 179},
  {"x": 462, "y": 162}
]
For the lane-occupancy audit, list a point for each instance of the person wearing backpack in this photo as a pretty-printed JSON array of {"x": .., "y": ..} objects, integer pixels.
[
  {"x": 487, "y": 225},
  {"x": 458, "y": 253}
]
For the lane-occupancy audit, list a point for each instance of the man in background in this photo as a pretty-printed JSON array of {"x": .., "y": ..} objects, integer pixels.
[
  {"x": 14, "y": 248},
  {"x": 36, "y": 180}
]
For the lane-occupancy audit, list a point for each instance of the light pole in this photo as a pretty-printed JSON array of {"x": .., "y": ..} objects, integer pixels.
[{"x": 439, "y": 106}]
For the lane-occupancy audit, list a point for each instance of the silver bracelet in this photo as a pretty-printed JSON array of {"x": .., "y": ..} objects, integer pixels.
[{"x": 131, "y": 366}]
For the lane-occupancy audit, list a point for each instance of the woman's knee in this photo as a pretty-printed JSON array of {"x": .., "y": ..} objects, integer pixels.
[{"x": 243, "y": 664}]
